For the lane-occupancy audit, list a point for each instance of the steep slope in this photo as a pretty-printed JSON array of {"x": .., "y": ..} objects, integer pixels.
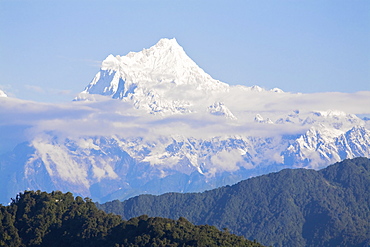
[
  {"x": 296, "y": 207},
  {"x": 148, "y": 78},
  {"x": 322, "y": 145}
]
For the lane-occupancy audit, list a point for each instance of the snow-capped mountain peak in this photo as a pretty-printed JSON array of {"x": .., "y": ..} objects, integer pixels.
[
  {"x": 161, "y": 79},
  {"x": 2, "y": 94},
  {"x": 277, "y": 90},
  {"x": 219, "y": 109},
  {"x": 106, "y": 150},
  {"x": 166, "y": 55}
]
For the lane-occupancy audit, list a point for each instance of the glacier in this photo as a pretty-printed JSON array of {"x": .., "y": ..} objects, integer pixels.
[{"x": 153, "y": 122}]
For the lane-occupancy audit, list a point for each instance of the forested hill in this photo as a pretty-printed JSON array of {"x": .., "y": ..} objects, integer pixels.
[
  {"x": 293, "y": 207},
  {"x": 57, "y": 219}
]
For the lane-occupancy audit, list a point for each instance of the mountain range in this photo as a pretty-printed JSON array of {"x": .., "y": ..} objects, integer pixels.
[
  {"x": 153, "y": 122},
  {"x": 292, "y": 207}
]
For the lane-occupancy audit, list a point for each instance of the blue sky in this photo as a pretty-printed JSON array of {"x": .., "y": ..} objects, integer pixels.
[{"x": 50, "y": 50}]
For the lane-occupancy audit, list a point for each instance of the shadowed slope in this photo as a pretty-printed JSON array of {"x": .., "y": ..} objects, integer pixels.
[{"x": 296, "y": 207}]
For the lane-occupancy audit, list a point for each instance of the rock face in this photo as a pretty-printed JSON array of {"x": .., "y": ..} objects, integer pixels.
[{"x": 180, "y": 130}]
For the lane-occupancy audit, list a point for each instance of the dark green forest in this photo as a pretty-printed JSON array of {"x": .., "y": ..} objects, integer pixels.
[
  {"x": 293, "y": 207},
  {"x": 58, "y": 219}
]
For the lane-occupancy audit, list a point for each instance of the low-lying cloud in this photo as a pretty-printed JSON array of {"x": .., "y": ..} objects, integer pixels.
[{"x": 23, "y": 120}]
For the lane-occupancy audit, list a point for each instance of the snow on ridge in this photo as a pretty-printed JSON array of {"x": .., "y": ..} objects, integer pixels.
[
  {"x": 111, "y": 63},
  {"x": 257, "y": 89},
  {"x": 3, "y": 94},
  {"x": 164, "y": 63},
  {"x": 331, "y": 113},
  {"x": 259, "y": 119},
  {"x": 276, "y": 90},
  {"x": 219, "y": 109},
  {"x": 160, "y": 79}
]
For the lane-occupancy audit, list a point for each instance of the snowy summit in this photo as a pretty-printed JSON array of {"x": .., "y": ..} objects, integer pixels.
[
  {"x": 2, "y": 94},
  {"x": 148, "y": 78},
  {"x": 161, "y": 80}
]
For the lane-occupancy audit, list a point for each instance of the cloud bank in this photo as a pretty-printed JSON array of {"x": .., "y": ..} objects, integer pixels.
[{"x": 23, "y": 120}]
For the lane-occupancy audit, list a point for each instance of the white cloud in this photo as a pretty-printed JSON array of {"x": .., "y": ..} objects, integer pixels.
[
  {"x": 227, "y": 160},
  {"x": 109, "y": 117}
]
